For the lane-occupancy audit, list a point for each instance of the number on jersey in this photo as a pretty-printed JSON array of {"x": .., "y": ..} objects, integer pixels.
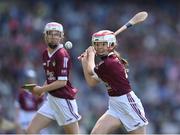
[{"x": 65, "y": 62}]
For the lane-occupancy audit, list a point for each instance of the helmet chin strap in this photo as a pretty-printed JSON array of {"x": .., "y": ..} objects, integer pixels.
[{"x": 52, "y": 46}]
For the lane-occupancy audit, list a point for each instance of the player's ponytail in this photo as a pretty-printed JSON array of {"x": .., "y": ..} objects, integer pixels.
[{"x": 124, "y": 61}]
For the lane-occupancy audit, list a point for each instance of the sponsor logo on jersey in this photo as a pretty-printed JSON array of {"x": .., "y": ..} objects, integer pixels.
[
  {"x": 50, "y": 75},
  {"x": 54, "y": 63}
]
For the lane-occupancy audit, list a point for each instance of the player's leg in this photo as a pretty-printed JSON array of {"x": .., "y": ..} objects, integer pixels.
[
  {"x": 42, "y": 119},
  {"x": 72, "y": 128},
  {"x": 39, "y": 122},
  {"x": 106, "y": 124}
]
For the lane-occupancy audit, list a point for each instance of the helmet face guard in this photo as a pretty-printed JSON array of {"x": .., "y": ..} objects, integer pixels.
[
  {"x": 104, "y": 36},
  {"x": 53, "y": 34}
]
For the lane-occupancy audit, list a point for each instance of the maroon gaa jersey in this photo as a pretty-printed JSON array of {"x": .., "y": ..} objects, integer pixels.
[
  {"x": 112, "y": 72},
  {"x": 57, "y": 66},
  {"x": 29, "y": 102}
]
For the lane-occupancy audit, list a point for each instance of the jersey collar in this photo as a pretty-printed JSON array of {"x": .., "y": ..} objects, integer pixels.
[
  {"x": 111, "y": 53},
  {"x": 58, "y": 47}
]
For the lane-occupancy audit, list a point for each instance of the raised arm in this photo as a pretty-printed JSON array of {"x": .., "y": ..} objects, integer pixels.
[{"x": 88, "y": 65}]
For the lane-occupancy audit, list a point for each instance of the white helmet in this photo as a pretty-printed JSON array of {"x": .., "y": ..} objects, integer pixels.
[
  {"x": 104, "y": 36},
  {"x": 53, "y": 26},
  {"x": 53, "y": 42}
]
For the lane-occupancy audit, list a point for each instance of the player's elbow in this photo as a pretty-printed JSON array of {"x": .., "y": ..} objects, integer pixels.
[{"x": 64, "y": 83}]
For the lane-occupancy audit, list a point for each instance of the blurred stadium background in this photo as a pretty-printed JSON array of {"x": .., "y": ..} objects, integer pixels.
[{"x": 152, "y": 49}]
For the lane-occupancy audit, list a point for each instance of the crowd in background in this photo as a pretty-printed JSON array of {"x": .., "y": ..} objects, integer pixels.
[{"x": 151, "y": 48}]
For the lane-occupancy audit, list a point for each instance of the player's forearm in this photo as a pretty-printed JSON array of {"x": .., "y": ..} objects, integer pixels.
[
  {"x": 90, "y": 63},
  {"x": 53, "y": 86},
  {"x": 84, "y": 66},
  {"x": 89, "y": 79}
]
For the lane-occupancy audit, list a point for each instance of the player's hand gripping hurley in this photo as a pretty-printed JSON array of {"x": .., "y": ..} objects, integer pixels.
[{"x": 29, "y": 86}]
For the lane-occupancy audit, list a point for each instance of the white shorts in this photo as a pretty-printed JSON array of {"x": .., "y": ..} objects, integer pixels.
[
  {"x": 64, "y": 111},
  {"x": 129, "y": 110}
]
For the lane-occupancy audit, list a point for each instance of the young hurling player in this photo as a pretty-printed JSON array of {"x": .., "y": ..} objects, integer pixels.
[
  {"x": 61, "y": 104},
  {"x": 125, "y": 108}
]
